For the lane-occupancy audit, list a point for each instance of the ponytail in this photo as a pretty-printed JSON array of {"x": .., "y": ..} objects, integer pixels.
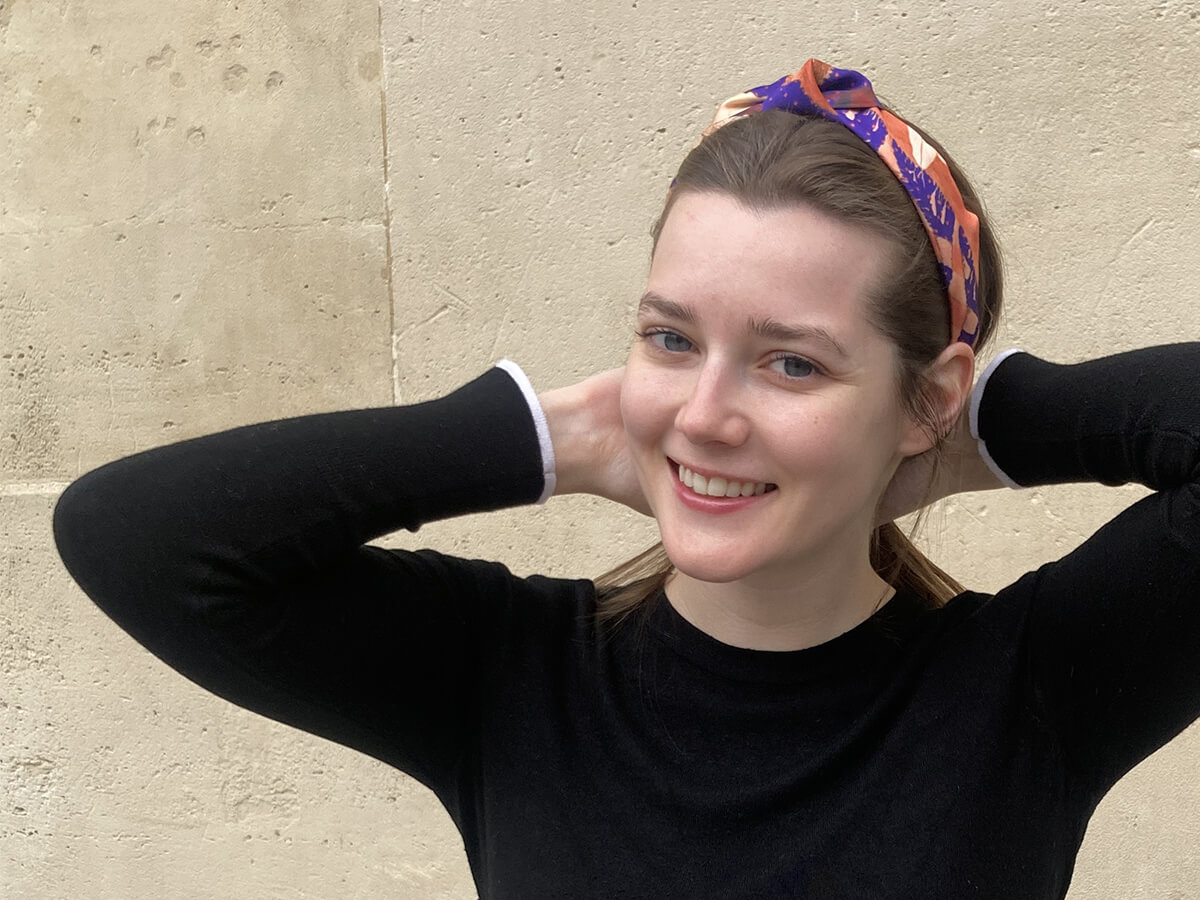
[{"x": 896, "y": 559}]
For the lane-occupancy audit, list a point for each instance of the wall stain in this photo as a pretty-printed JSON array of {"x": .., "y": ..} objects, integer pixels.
[
  {"x": 32, "y": 435},
  {"x": 369, "y": 66},
  {"x": 164, "y": 59},
  {"x": 235, "y": 78}
]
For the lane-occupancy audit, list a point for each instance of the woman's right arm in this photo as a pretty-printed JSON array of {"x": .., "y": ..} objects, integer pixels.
[{"x": 238, "y": 559}]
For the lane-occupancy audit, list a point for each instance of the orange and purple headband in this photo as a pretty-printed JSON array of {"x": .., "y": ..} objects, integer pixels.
[{"x": 846, "y": 97}]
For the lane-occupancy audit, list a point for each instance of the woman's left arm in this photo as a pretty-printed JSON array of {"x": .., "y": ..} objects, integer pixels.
[{"x": 1113, "y": 627}]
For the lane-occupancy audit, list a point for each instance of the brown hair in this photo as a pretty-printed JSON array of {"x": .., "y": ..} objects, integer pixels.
[{"x": 776, "y": 159}]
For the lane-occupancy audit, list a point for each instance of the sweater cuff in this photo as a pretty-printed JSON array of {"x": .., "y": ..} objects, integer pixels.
[
  {"x": 976, "y": 402},
  {"x": 539, "y": 420}
]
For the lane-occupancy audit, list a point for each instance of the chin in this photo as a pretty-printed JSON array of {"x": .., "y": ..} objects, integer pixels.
[{"x": 704, "y": 568}]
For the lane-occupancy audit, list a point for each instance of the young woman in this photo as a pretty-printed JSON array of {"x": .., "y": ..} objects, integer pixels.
[{"x": 784, "y": 699}]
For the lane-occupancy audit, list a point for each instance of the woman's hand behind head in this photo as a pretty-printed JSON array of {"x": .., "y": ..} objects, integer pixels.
[
  {"x": 955, "y": 466},
  {"x": 588, "y": 435}
]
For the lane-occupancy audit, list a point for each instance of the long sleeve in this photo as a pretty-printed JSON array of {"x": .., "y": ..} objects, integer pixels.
[
  {"x": 238, "y": 559},
  {"x": 1113, "y": 628}
]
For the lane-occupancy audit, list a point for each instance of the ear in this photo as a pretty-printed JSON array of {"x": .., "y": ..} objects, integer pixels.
[{"x": 949, "y": 379}]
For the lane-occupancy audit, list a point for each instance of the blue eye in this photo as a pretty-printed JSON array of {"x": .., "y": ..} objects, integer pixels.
[
  {"x": 793, "y": 366},
  {"x": 670, "y": 341}
]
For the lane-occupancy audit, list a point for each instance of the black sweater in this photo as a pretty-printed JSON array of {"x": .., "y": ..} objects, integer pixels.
[{"x": 924, "y": 754}]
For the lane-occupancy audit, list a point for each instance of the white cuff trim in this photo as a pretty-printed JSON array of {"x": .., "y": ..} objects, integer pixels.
[
  {"x": 539, "y": 420},
  {"x": 976, "y": 401}
]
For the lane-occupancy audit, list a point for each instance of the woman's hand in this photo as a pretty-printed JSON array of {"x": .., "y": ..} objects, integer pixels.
[
  {"x": 953, "y": 467},
  {"x": 588, "y": 435}
]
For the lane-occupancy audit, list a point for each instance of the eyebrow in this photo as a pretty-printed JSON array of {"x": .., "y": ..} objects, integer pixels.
[
  {"x": 766, "y": 328},
  {"x": 652, "y": 302}
]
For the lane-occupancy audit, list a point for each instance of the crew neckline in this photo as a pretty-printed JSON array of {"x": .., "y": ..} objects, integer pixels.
[{"x": 880, "y": 636}]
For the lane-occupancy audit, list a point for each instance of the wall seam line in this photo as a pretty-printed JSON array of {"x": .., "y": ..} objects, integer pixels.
[
  {"x": 387, "y": 214},
  {"x": 33, "y": 488}
]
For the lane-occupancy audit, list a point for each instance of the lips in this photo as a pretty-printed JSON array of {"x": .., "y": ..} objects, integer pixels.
[{"x": 719, "y": 485}]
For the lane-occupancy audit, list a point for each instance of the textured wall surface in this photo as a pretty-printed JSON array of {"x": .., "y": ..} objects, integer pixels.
[{"x": 220, "y": 211}]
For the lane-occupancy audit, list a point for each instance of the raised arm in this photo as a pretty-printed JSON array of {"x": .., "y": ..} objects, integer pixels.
[
  {"x": 238, "y": 559},
  {"x": 1113, "y": 628}
]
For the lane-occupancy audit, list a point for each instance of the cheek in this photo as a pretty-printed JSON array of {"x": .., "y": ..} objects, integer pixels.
[
  {"x": 842, "y": 446},
  {"x": 643, "y": 405},
  {"x": 862, "y": 456}
]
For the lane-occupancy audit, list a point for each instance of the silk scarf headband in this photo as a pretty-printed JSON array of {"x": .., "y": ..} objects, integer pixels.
[{"x": 846, "y": 97}]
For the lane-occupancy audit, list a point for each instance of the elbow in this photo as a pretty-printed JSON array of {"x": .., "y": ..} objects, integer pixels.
[
  {"x": 110, "y": 545},
  {"x": 83, "y": 542}
]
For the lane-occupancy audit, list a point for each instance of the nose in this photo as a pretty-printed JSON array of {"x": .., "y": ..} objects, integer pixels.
[{"x": 713, "y": 410}]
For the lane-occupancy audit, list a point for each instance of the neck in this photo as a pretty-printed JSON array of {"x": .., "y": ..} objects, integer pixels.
[{"x": 765, "y": 613}]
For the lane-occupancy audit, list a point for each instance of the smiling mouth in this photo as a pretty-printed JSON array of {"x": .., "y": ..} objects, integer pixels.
[{"x": 717, "y": 486}]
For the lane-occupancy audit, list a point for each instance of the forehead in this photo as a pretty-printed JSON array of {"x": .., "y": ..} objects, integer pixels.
[
  {"x": 712, "y": 244},
  {"x": 790, "y": 263}
]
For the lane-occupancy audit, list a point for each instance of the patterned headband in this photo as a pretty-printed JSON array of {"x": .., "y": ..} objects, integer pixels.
[{"x": 846, "y": 97}]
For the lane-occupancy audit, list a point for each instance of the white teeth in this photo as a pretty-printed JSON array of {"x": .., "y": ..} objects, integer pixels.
[{"x": 718, "y": 486}]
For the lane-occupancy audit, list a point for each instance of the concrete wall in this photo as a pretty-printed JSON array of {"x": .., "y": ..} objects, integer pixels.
[{"x": 218, "y": 211}]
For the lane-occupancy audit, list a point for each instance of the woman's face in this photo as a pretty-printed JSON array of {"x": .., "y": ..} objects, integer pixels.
[{"x": 756, "y": 373}]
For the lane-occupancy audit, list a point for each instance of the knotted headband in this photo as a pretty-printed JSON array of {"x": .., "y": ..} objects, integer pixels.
[{"x": 846, "y": 97}]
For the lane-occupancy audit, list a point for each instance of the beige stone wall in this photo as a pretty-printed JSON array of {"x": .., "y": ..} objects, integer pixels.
[{"x": 218, "y": 211}]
